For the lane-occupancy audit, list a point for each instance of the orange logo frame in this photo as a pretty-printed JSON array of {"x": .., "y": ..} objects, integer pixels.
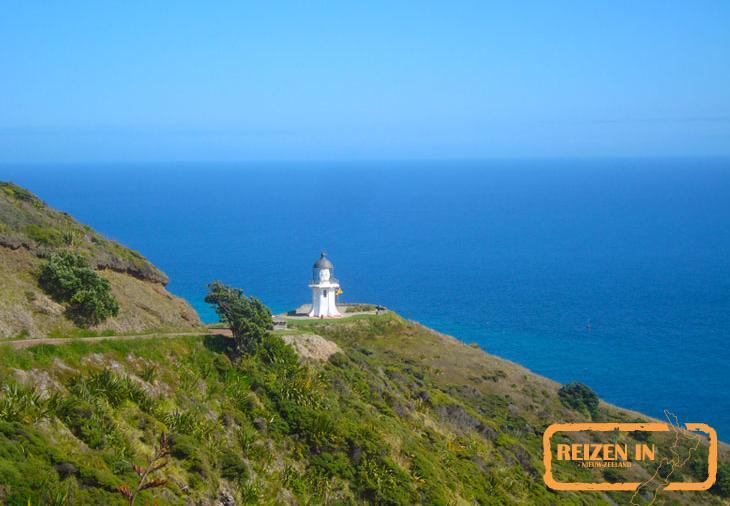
[{"x": 626, "y": 427}]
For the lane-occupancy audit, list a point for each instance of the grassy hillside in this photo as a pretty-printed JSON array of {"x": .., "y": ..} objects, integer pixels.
[
  {"x": 28, "y": 223},
  {"x": 399, "y": 415},
  {"x": 30, "y": 232}
]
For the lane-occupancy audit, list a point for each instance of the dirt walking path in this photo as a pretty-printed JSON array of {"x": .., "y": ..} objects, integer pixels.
[{"x": 26, "y": 343}]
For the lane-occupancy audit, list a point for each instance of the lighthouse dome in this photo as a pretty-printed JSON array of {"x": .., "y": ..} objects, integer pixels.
[{"x": 323, "y": 262}]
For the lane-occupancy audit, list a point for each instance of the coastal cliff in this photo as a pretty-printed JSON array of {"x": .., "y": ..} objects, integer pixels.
[{"x": 31, "y": 232}]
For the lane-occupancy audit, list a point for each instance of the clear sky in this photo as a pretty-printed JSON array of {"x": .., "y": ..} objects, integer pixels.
[{"x": 139, "y": 81}]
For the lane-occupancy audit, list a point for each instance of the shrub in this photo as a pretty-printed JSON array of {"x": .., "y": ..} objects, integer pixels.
[
  {"x": 579, "y": 397},
  {"x": 182, "y": 446},
  {"x": 382, "y": 482},
  {"x": 115, "y": 389},
  {"x": 612, "y": 475},
  {"x": 94, "y": 426},
  {"x": 246, "y": 438},
  {"x": 68, "y": 279},
  {"x": 22, "y": 404},
  {"x": 232, "y": 466},
  {"x": 333, "y": 464},
  {"x": 189, "y": 423},
  {"x": 722, "y": 484},
  {"x": 272, "y": 350}
]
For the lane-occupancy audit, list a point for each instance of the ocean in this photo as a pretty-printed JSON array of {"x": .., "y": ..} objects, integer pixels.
[{"x": 615, "y": 273}]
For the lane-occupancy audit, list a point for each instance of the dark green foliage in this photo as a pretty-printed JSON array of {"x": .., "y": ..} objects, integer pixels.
[
  {"x": 613, "y": 475},
  {"x": 722, "y": 483},
  {"x": 182, "y": 446},
  {"x": 63, "y": 275},
  {"x": 579, "y": 397},
  {"x": 248, "y": 318},
  {"x": 333, "y": 464},
  {"x": 68, "y": 279},
  {"x": 193, "y": 455},
  {"x": 232, "y": 466}
]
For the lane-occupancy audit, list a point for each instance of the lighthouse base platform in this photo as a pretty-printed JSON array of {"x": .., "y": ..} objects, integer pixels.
[{"x": 346, "y": 310}]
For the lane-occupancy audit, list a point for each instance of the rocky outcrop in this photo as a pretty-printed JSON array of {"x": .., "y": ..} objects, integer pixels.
[{"x": 312, "y": 347}]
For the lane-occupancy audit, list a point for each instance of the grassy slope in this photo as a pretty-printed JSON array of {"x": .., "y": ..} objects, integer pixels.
[
  {"x": 30, "y": 231},
  {"x": 402, "y": 416},
  {"x": 27, "y": 222}
]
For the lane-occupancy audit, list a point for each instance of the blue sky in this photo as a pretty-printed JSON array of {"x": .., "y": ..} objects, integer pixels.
[{"x": 193, "y": 81}]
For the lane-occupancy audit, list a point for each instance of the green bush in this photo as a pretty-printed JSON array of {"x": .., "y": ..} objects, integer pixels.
[
  {"x": 232, "y": 467},
  {"x": 194, "y": 457},
  {"x": 272, "y": 350},
  {"x": 190, "y": 424},
  {"x": 68, "y": 279},
  {"x": 333, "y": 464},
  {"x": 22, "y": 404},
  {"x": 115, "y": 389},
  {"x": 722, "y": 483},
  {"x": 579, "y": 397}
]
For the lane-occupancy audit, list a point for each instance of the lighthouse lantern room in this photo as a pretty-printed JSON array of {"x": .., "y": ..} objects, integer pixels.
[{"x": 324, "y": 289}]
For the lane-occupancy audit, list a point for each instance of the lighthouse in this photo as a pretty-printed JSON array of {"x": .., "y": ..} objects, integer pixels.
[{"x": 324, "y": 289}]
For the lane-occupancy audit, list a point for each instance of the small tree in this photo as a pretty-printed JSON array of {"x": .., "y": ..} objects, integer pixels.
[
  {"x": 67, "y": 278},
  {"x": 579, "y": 397},
  {"x": 247, "y": 317}
]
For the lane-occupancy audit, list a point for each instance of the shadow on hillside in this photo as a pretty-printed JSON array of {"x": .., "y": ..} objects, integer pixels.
[{"x": 217, "y": 343}]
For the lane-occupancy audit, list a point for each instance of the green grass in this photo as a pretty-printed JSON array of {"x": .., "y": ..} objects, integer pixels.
[
  {"x": 313, "y": 323},
  {"x": 46, "y": 236},
  {"x": 80, "y": 333}
]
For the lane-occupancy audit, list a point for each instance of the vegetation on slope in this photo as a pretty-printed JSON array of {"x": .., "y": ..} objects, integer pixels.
[
  {"x": 402, "y": 415},
  {"x": 31, "y": 234},
  {"x": 579, "y": 397},
  {"x": 27, "y": 222},
  {"x": 67, "y": 278}
]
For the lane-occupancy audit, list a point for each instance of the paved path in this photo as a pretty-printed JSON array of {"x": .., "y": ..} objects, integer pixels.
[{"x": 26, "y": 343}]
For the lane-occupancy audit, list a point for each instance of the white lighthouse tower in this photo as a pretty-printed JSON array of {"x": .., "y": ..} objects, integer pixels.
[{"x": 324, "y": 289}]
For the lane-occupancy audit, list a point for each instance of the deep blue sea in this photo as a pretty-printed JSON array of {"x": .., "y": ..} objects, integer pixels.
[{"x": 615, "y": 273}]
